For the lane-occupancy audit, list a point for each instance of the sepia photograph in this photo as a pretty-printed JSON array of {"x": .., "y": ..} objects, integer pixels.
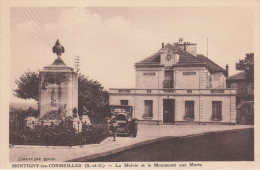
[{"x": 107, "y": 86}]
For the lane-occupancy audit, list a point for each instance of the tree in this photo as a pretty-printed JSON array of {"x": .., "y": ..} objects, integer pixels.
[
  {"x": 92, "y": 95},
  {"x": 28, "y": 86},
  {"x": 247, "y": 65},
  {"x": 90, "y": 92}
]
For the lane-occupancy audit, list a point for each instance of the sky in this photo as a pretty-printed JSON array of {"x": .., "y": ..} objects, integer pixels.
[{"x": 109, "y": 40}]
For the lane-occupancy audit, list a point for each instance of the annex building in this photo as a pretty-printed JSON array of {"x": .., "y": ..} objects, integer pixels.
[{"x": 177, "y": 85}]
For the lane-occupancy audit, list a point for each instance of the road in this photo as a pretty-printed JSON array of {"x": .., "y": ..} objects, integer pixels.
[{"x": 237, "y": 145}]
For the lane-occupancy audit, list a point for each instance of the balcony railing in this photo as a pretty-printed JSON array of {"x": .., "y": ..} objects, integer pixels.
[
  {"x": 174, "y": 91},
  {"x": 167, "y": 83}
]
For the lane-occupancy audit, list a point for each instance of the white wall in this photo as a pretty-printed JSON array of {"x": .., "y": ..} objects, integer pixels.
[
  {"x": 218, "y": 80},
  {"x": 187, "y": 81},
  {"x": 144, "y": 81},
  {"x": 202, "y": 106}
]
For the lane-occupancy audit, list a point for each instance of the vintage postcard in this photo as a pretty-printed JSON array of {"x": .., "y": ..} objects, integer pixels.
[{"x": 129, "y": 84}]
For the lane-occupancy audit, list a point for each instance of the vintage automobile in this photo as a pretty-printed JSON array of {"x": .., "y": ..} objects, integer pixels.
[{"x": 124, "y": 116}]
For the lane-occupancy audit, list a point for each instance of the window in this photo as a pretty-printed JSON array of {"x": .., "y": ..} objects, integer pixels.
[
  {"x": 189, "y": 73},
  {"x": 124, "y": 102},
  {"x": 216, "y": 110},
  {"x": 217, "y": 91},
  {"x": 249, "y": 110},
  {"x": 149, "y": 74},
  {"x": 189, "y": 91},
  {"x": 250, "y": 88},
  {"x": 234, "y": 85},
  {"x": 189, "y": 110},
  {"x": 168, "y": 79},
  {"x": 148, "y": 108},
  {"x": 210, "y": 81},
  {"x": 124, "y": 91}
]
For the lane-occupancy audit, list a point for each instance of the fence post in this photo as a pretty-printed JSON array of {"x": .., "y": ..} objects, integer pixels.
[
  {"x": 78, "y": 127},
  {"x": 43, "y": 135}
]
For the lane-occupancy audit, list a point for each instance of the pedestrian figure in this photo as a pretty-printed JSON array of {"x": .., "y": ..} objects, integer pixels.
[{"x": 114, "y": 125}]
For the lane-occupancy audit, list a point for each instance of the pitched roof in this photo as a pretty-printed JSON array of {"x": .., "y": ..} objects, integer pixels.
[
  {"x": 151, "y": 58},
  {"x": 185, "y": 59},
  {"x": 239, "y": 76},
  {"x": 211, "y": 66}
]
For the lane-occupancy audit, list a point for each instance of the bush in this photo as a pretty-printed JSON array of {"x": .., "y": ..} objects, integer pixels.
[{"x": 63, "y": 134}]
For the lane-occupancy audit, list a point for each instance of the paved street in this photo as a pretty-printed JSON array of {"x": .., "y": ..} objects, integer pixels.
[
  {"x": 145, "y": 133},
  {"x": 224, "y": 146}
]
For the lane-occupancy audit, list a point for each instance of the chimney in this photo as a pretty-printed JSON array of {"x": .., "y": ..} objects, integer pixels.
[
  {"x": 187, "y": 46},
  {"x": 162, "y": 45},
  {"x": 227, "y": 69}
]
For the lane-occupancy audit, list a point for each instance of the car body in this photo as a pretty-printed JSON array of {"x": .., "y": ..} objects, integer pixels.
[{"x": 124, "y": 117}]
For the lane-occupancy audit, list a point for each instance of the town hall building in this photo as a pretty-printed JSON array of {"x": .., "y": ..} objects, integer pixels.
[{"x": 177, "y": 85}]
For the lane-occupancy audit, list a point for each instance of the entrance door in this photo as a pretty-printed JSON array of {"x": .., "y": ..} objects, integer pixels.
[{"x": 168, "y": 110}]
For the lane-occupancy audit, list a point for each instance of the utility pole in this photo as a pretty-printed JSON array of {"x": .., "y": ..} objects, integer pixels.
[
  {"x": 76, "y": 63},
  {"x": 207, "y": 49}
]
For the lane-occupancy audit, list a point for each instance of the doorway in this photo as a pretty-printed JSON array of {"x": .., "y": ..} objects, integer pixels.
[{"x": 168, "y": 110}]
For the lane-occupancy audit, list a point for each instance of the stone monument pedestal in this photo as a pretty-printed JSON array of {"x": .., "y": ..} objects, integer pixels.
[{"x": 58, "y": 90}]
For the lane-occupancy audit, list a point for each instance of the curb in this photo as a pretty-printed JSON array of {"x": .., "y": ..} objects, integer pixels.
[
  {"x": 54, "y": 147},
  {"x": 122, "y": 149}
]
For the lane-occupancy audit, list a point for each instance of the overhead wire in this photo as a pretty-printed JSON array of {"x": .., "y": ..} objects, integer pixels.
[
  {"x": 43, "y": 19},
  {"x": 33, "y": 16},
  {"x": 36, "y": 32},
  {"x": 33, "y": 13},
  {"x": 36, "y": 26},
  {"x": 52, "y": 35}
]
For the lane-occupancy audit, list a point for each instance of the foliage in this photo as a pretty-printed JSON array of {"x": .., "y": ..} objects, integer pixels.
[
  {"x": 53, "y": 115},
  {"x": 244, "y": 97},
  {"x": 247, "y": 65},
  {"x": 93, "y": 96},
  {"x": 33, "y": 112},
  {"x": 63, "y": 134},
  {"x": 28, "y": 86},
  {"x": 90, "y": 93},
  {"x": 19, "y": 115}
]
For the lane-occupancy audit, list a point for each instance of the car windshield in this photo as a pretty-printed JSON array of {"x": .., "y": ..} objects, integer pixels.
[{"x": 120, "y": 109}]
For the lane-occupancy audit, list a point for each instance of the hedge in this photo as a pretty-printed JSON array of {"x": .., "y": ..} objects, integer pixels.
[{"x": 63, "y": 134}]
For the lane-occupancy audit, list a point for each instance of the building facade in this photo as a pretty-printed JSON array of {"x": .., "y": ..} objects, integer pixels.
[
  {"x": 177, "y": 85},
  {"x": 245, "y": 97}
]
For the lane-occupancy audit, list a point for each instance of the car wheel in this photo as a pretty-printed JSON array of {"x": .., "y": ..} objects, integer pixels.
[{"x": 135, "y": 132}]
